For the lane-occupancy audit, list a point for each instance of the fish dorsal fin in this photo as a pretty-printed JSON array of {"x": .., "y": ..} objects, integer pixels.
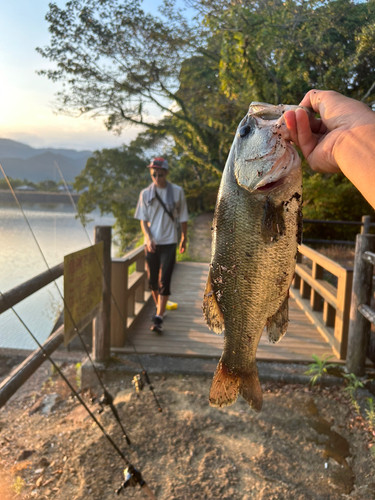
[
  {"x": 278, "y": 323},
  {"x": 211, "y": 309}
]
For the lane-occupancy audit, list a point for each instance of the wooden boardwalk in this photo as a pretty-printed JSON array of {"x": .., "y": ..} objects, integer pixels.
[{"x": 186, "y": 334}]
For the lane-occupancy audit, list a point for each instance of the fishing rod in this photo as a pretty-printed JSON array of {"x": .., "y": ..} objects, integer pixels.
[
  {"x": 107, "y": 398},
  {"x": 132, "y": 475},
  {"x": 144, "y": 372}
]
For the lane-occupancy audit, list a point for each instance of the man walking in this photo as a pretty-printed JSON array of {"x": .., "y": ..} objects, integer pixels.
[{"x": 161, "y": 207}]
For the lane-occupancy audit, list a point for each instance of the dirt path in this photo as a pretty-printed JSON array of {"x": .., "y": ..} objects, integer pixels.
[
  {"x": 200, "y": 238},
  {"x": 304, "y": 445}
]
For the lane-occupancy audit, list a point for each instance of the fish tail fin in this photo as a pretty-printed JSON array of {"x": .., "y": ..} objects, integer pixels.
[
  {"x": 226, "y": 386},
  {"x": 251, "y": 390}
]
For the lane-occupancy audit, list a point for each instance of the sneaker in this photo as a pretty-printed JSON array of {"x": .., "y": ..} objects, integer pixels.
[{"x": 158, "y": 325}]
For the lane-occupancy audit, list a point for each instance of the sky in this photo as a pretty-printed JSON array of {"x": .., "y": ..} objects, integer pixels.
[{"x": 26, "y": 99}]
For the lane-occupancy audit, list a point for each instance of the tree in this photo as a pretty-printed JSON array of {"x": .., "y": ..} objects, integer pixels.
[
  {"x": 111, "y": 181},
  {"x": 202, "y": 73},
  {"x": 275, "y": 51},
  {"x": 119, "y": 62}
]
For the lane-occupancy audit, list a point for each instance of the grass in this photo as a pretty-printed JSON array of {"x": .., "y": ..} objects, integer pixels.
[
  {"x": 18, "y": 485},
  {"x": 370, "y": 413},
  {"x": 319, "y": 368}
]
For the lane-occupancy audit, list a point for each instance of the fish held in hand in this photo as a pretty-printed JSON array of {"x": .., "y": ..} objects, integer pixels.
[{"x": 256, "y": 230}]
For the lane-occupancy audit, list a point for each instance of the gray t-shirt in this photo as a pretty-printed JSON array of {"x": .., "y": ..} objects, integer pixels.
[{"x": 162, "y": 228}]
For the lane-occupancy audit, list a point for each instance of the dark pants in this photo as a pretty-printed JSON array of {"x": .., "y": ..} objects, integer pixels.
[{"x": 160, "y": 267}]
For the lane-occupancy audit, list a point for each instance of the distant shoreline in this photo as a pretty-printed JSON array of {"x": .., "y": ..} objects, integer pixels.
[{"x": 38, "y": 197}]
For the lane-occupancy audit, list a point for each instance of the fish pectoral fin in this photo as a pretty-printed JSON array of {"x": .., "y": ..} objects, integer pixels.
[
  {"x": 273, "y": 222},
  {"x": 213, "y": 314},
  {"x": 226, "y": 386},
  {"x": 278, "y": 323}
]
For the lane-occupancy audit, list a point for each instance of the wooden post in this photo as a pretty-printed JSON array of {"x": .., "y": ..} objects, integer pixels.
[
  {"x": 366, "y": 220},
  {"x": 305, "y": 290},
  {"x": 344, "y": 294},
  {"x": 359, "y": 327},
  {"x": 315, "y": 298},
  {"x": 297, "y": 279},
  {"x": 102, "y": 322},
  {"x": 119, "y": 309}
]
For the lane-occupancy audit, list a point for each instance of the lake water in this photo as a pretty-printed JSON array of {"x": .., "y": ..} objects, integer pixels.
[{"x": 58, "y": 233}]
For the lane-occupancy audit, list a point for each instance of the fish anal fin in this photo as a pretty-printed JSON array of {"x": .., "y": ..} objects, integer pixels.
[
  {"x": 224, "y": 387},
  {"x": 278, "y": 323},
  {"x": 251, "y": 390},
  {"x": 213, "y": 314}
]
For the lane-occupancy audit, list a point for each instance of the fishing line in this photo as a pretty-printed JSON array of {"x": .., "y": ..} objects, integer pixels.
[
  {"x": 135, "y": 475},
  {"x": 107, "y": 397},
  {"x": 113, "y": 298}
]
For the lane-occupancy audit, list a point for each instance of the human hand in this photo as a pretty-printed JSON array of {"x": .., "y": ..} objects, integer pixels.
[
  {"x": 182, "y": 245},
  {"x": 150, "y": 245},
  {"x": 320, "y": 139}
]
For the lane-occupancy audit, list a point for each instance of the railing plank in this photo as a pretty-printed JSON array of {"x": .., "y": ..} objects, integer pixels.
[
  {"x": 367, "y": 312},
  {"x": 21, "y": 292},
  {"x": 322, "y": 287},
  {"x": 369, "y": 257},
  {"x": 328, "y": 264},
  {"x": 23, "y": 371}
]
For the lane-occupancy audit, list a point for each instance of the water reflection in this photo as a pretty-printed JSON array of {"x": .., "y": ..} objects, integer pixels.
[{"x": 58, "y": 233}]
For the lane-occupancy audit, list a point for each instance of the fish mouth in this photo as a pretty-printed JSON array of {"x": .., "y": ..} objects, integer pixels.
[{"x": 271, "y": 185}]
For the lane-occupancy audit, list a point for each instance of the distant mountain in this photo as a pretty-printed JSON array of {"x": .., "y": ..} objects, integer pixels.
[{"x": 24, "y": 162}]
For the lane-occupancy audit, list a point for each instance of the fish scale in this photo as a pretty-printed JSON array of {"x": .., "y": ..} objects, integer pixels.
[{"x": 254, "y": 247}]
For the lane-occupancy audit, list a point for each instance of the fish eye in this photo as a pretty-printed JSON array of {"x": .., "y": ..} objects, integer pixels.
[{"x": 244, "y": 131}]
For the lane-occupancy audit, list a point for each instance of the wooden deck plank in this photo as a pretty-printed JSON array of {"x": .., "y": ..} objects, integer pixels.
[{"x": 186, "y": 334}]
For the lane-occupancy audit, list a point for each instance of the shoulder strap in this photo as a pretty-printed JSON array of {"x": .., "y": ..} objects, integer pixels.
[{"x": 163, "y": 205}]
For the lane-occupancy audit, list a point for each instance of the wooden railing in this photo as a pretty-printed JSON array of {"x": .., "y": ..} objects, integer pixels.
[
  {"x": 9, "y": 299},
  {"x": 129, "y": 294},
  {"x": 127, "y": 300},
  {"x": 365, "y": 225},
  {"x": 326, "y": 305}
]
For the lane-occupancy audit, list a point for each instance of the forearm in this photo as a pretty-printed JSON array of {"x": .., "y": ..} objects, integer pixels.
[
  {"x": 145, "y": 229},
  {"x": 355, "y": 155},
  {"x": 183, "y": 230}
]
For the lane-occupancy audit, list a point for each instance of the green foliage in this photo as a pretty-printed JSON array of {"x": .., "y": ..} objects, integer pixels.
[
  {"x": 15, "y": 183},
  {"x": 353, "y": 385},
  {"x": 78, "y": 374},
  {"x": 318, "y": 369},
  {"x": 39, "y": 186},
  {"x": 275, "y": 51},
  {"x": 332, "y": 197}
]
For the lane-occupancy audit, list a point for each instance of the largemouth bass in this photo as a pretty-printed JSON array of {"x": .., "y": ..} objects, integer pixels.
[{"x": 256, "y": 230}]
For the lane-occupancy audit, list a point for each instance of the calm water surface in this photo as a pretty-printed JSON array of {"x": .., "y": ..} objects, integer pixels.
[{"x": 58, "y": 233}]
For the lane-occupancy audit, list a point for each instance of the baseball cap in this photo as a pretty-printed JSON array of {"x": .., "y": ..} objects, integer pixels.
[{"x": 159, "y": 163}]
